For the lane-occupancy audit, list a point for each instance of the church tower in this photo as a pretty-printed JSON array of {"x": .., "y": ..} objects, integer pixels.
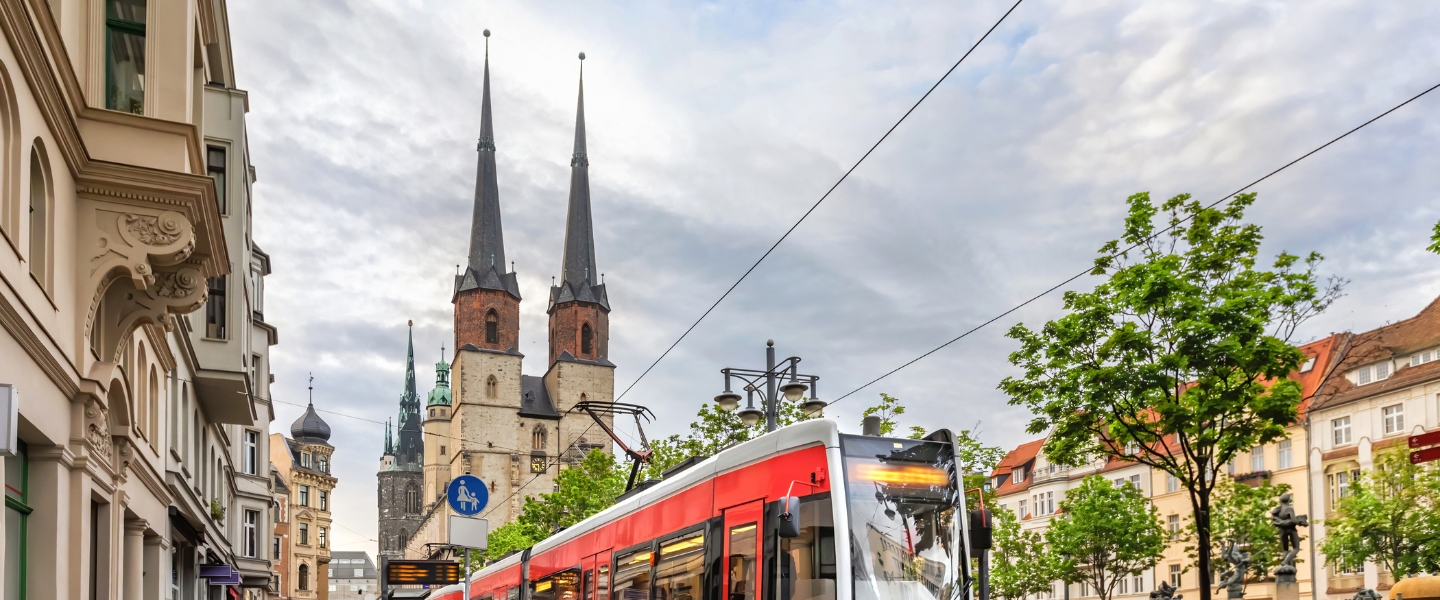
[
  {"x": 579, "y": 309},
  {"x": 437, "y": 429},
  {"x": 400, "y": 480}
]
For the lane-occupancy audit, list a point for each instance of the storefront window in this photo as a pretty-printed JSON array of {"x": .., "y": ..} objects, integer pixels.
[{"x": 17, "y": 511}]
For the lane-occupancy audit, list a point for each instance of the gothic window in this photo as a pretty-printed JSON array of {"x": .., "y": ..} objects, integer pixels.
[
  {"x": 404, "y": 539},
  {"x": 537, "y": 438},
  {"x": 304, "y": 577},
  {"x": 492, "y": 387},
  {"x": 412, "y": 500},
  {"x": 492, "y": 328},
  {"x": 586, "y": 339}
]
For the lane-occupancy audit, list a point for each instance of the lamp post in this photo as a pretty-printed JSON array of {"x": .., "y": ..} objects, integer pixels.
[{"x": 768, "y": 383}]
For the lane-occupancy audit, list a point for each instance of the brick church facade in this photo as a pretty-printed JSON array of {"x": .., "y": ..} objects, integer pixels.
[{"x": 484, "y": 416}]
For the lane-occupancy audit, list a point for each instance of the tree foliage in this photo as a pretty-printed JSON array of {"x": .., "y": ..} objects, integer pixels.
[
  {"x": 581, "y": 490},
  {"x": 1435, "y": 239},
  {"x": 712, "y": 431},
  {"x": 1390, "y": 516},
  {"x": 1019, "y": 566},
  {"x": 1241, "y": 513},
  {"x": 1178, "y": 359},
  {"x": 1104, "y": 534}
]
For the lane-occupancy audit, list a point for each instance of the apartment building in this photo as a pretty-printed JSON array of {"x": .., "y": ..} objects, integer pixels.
[
  {"x": 1385, "y": 387},
  {"x": 131, "y": 327},
  {"x": 1032, "y": 486},
  {"x": 302, "y": 464},
  {"x": 353, "y": 576}
]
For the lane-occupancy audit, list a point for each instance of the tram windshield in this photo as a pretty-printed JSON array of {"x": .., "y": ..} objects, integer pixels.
[{"x": 903, "y": 501}]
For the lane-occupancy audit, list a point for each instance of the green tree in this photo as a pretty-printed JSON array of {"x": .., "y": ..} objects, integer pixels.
[
  {"x": 1241, "y": 513},
  {"x": 1435, "y": 239},
  {"x": 1390, "y": 516},
  {"x": 581, "y": 490},
  {"x": 1019, "y": 566},
  {"x": 1104, "y": 534},
  {"x": 1178, "y": 359},
  {"x": 888, "y": 408}
]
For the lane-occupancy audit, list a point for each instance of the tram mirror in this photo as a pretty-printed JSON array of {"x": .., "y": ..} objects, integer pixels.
[{"x": 789, "y": 523}]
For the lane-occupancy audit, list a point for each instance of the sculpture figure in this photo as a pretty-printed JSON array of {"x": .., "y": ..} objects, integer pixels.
[
  {"x": 1366, "y": 594},
  {"x": 1165, "y": 592},
  {"x": 1234, "y": 579},
  {"x": 1287, "y": 522}
]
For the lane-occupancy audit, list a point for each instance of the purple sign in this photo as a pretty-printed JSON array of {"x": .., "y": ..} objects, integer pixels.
[
  {"x": 221, "y": 571},
  {"x": 233, "y": 579}
]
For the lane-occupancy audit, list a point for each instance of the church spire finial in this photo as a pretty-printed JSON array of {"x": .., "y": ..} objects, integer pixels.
[{"x": 486, "y": 260}]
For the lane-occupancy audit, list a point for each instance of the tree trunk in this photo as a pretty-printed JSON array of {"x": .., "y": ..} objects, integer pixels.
[{"x": 1201, "y": 499}]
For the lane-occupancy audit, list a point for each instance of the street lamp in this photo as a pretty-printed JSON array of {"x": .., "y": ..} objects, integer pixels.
[{"x": 793, "y": 389}]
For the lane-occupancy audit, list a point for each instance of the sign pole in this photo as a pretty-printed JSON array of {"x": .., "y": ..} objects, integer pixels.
[{"x": 465, "y": 583}]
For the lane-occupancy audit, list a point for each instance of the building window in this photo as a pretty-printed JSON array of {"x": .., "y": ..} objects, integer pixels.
[
  {"x": 442, "y": 450},
  {"x": 1309, "y": 364},
  {"x": 1257, "y": 458},
  {"x": 275, "y": 549},
  {"x": 125, "y": 56},
  {"x": 39, "y": 218},
  {"x": 17, "y": 513},
  {"x": 304, "y": 583},
  {"x": 1423, "y": 357},
  {"x": 492, "y": 328},
  {"x": 252, "y": 442},
  {"x": 1172, "y": 524},
  {"x": 1340, "y": 431},
  {"x": 1023, "y": 510},
  {"x": 586, "y": 339},
  {"x": 1122, "y": 587},
  {"x": 215, "y": 166},
  {"x": 1286, "y": 459},
  {"x": 215, "y": 308},
  {"x": 360, "y": 573},
  {"x": 324, "y": 463},
  {"x": 1175, "y": 575},
  {"x": 412, "y": 502},
  {"x": 1172, "y": 483},
  {"x": 304, "y": 495},
  {"x": 255, "y": 371},
  {"x": 322, "y": 537},
  {"x": 1135, "y": 481},
  {"x": 1019, "y": 474},
  {"x": 1340, "y": 483},
  {"x": 304, "y": 534},
  {"x": 324, "y": 500},
  {"x": 1394, "y": 418},
  {"x": 537, "y": 438},
  {"x": 492, "y": 387},
  {"x": 251, "y": 535},
  {"x": 1138, "y": 582}
]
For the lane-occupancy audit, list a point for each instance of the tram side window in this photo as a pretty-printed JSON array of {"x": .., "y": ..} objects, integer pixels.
[
  {"x": 681, "y": 567},
  {"x": 564, "y": 585},
  {"x": 603, "y": 580},
  {"x": 742, "y": 562},
  {"x": 632, "y": 575},
  {"x": 512, "y": 594},
  {"x": 809, "y": 560}
]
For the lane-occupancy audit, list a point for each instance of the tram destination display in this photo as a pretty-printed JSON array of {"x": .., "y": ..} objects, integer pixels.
[{"x": 422, "y": 572}]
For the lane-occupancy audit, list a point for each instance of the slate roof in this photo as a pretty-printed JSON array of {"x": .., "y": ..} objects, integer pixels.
[
  {"x": 1395, "y": 340},
  {"x": 340, "y": 562},
  {"x": 485, "y": 266},
  {"x": 579, "y": 277},
  {"x": 310, "y": 427},
  {"x": 535, "y": 399}
]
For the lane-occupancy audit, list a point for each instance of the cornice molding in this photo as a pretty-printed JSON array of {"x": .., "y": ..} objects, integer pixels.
[
  {"x": 58, "y": 110},
  {"x": 59, "y": 373}
]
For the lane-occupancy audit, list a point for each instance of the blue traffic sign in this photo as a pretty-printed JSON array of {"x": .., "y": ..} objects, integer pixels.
[{"x": 467, "y": 495}]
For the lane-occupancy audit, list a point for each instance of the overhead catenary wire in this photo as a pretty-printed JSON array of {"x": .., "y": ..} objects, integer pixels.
[
  {"x": 817, "y": 204},
  {"x": 1133, "y": 246},
  {"x": 358, "y": 418}
]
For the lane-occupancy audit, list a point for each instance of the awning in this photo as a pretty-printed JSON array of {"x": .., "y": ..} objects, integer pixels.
[{"x": 192, "y": 531}]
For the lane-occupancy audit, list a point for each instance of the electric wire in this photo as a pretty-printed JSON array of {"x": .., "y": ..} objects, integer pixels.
[
  {"x": 548, "y": 464},
  {"x": 340, "y": 414},
  {"x": 1133, "y": 246},
  {"x": 818, "y": 202}
]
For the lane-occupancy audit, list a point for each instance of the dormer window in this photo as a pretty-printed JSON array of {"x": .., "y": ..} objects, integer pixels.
[
  {"x": 1420, "y": 358},
  {"x": 1309, "y": 364},
  {"x": 1372, "y": 373},
  {"x": 305, "y": 459},
  {"x": 1019, "y": 474}
]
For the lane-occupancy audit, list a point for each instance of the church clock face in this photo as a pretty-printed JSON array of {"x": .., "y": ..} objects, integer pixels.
[{"x": 537, "y": 464}]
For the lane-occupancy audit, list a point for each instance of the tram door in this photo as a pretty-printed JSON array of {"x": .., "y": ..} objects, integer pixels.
[
  {"x": 595, "y": 577},
  {"x": 742, "y": 551}
]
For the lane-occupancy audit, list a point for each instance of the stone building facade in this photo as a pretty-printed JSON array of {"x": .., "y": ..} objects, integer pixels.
[
  {"x": 485, "y": 417},
  {"x": 131, "y": 305},
  {"x": 303, "y": 464}
]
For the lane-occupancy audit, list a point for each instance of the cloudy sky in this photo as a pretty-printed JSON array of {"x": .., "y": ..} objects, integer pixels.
[{"x": 713, "y": 126}]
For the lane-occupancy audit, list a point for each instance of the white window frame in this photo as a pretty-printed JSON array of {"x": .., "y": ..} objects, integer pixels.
[
  {"x": 1286, "y": 456},
  {"x": 1340, "y": 431},
  {"x": 1393, "y": 417},
  {"x": 1257, "y": 459},
  {"x": 251, "y": 449},
  {"x": 251, "y": 536},
  {"x": 1172, "y": 483}
]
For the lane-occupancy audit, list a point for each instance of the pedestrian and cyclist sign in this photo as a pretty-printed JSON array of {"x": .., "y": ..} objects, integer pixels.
[{"x": 467, "y": 495}]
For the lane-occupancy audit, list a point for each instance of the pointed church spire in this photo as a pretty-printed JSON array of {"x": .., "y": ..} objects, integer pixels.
[
  {"x": 389, "y": 443},
  {"x": 410, "y": 363},
  {"x": 485, "y": 267},
  {"x": 579, "y": 277}
]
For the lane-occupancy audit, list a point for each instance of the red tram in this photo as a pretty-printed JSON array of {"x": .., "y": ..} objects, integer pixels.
[{"x": 803, "y": 513}]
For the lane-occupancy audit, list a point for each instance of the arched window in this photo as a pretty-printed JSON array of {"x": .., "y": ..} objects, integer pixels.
[
  {"x": 537, "y": 438},
  {"x": 9, "y": 160},
  {"x": 39, "y": 216},
  {"x": 404, "y": 539},
  {"x": 304, "y": 577},
  {"x": 140, "y": 418},
  {"x": 585, "y": 339},
  {"x": 154, "y": 406},
  {"x": 492, "y": 387},
  {"x": 412, "y": 500},
  {"x": 492, "y": 328}
]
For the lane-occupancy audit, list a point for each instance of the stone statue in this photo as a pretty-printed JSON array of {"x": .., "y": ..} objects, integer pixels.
[
  {"x": 1234, "y": 579},
  {"x": 1285, "y": 520},
  {"x": 1366, "y": 594},
  {"x": 1165, "y": 592}
]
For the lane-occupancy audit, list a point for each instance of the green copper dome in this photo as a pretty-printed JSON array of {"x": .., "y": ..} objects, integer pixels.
[{"x": 440, "y": 396}]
